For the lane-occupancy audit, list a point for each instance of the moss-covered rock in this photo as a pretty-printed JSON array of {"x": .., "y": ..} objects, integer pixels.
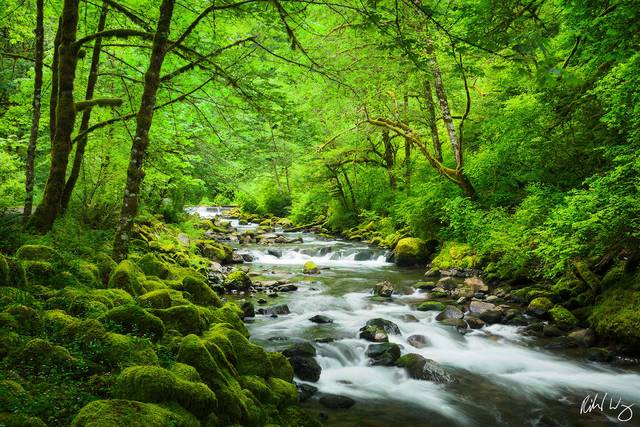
[
  {"x": 540, "y": 306},
  {"x": 40, "y": 354},
  {"x": 283, "y": 393},
  {"x": 156, "y": 299},
  {"x": 280, "y": 366},
  {"x": 431, "y": 306},
  {"x": 122, "y": 350},
  {"x": 214, "y": 369},
  {"x": 257, "y": 386},
  {"x": 237, "y": 280},
  {"x": 251, "y": 359},
  {"x": 310, "y": 267},
  {"x": 12, "y": 394},
  {"x": 186, "y": 372},
  {"x": 216, "y": 251},
  {"x": 410, "y": 251},
  {"x": 587, "y": 275},
  {"x": 185, "y": 319},
  {"x": 10, "y": 419},
  {"x": 4, "y": 271},
  {"x": 16, "y": 274},
  {"x": 154, "y": 385},
  {"x": 105, "y": 265},
  {"x": 563, "y": 318},
  {"x": 126, "y": 276},
  {"x": 118, "y": 412},
  {"x": 28, "y": 319},
  {"x": 152, "y": 266},
  {"x": 455, "y": 255},
  {"x": 568, "y": 287},
  {"x": 38, "y": 253},
  {"x": 135, "y": 320},
  {"x": 200, "y": 293},
  {"x": 39, "y": 272}
]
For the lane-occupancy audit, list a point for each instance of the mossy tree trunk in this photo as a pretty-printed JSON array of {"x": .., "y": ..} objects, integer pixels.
[
  {"x": 135, "y": 172},
  {"x": 65, "y": 114},
  {"x": 81, "y": 143},
  {"x": 37, "y": 102}
]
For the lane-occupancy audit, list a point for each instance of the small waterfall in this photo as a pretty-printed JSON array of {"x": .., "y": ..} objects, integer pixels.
[{"x": 324, "y": 256}]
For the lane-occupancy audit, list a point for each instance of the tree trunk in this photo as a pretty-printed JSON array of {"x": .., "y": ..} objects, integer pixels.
[
  {"x": 53, "y": 98},
  {"x": 46, "y": 213},
  {"x": 388, "y": 158},
  {"x": 407, "y": 152},
  {"x": 86, "y": 114},
  {"x": 135, "y": 173},
  {"x": 37, "y": 99},
  {"x": 433, "y": 125}
]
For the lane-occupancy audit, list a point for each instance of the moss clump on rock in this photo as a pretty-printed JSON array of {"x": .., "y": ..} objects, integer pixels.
[
  {"x": 4, "y": 271},
  {"x": 105, "y": 265},
  {"x": 237, "y": 280},
  {"x": 156, "y": 299},
  {"x": 587, "y": 275},
  {"x": 410, "y": 251},
  {"x": 119, "y": 412},
  {"x": 431, "y": 306},
  {"x": 216, "y": 251},
  {"x": 40, "y": 354},
  {"x": 136, "y": 320},
  {"x": 185, "y": 319},
  {"x": 38, "y": 253},
  {"x": 280, "y": 366},
  {"x": 10, "y": 419},
  {"x": 251, "y": 359},
  {"x": 154, "y": 385},
  {"x": 16, "y": 274},
  {"x": 39, "y": 272},
  {"x": 152, "y": 266},
  {"x": 28, "y": 319},
  {"x": 540, "y": 306},
  {"x": 562, "y": 317},
  {"x": 455, "y": 255},
  {"x": 310, "y": 267},
  {"x": 284, "y": 393},
  {"x": 200, "y": 293},
  {"x": 126, "y": 277}
]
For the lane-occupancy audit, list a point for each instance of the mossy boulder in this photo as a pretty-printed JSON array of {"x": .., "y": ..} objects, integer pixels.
[
  {"x": 156, "y": 299},
  {"x": 10, "y": 419},
  {"x": 568, "y": 287},
  {"x": 12, "y": 394},
  {"x": 186, "y": 372},
  {"x": 185, "y": 319},
  {"x": 280, "y": 366},
  {"x": 540, "y": 306},
  {"x": 38, "y": 253},
  {"x": 62, "y": 280},
  {"x": 237, "y": 280},
  {"x": 154, "y": 384},
  {"x": 135, "y": 320},
  {"x": 283, "y": 393},
  {"x": 105, "y": 265},
  {"x": 39, "y": 272},
  {"x": 152, "y": 266},
  {"x": 123, "y": 350},
  {"x": 410, "y": 251},
  {"x": 126, "y": 276},
  {"x": 310, "y": 267},
  {"x": 119, "y": 412},
  {"x": 16, "y": 276},
  {"x": 455, "y": 255},
  {"x": 251, "y": 359},
  {"x": 563, "y": 318},
  {"x": 583, "y": 271},
  {"x": 431, "y": 306},
  {"x": 200, "y": 293},
  {"x": 215, "y": 251},
  {"x": 27, "y": 318},
  {"x": 214, "y": 369},
  {"x": 40, "y": 354},
  {"x": 4, "y": 271}
]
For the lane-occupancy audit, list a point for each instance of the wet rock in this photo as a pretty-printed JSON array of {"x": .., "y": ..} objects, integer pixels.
[
  {"x": 448, "y": 283},
  {"x": 325, "y": 340},
  {"x": 450, "y": 312},
  {"x": 551, "y": 331},
  {"x": 302, "y": 349},
  {"x": 461, "y": 300},
  {"x": 425, "y": 286},
  {"x": 418, "y": 341},
  {"x": 305, "y": 391},
  {"x": 286, "y": 288},
  {"x": 431, "y": 306},
  {"x": 305, "y": 368},
  {"x": 319, "y": 318},
  {"x": 276, "y": 309},
  {"x": 583, "y": 337},
  {"x": 247, "y": 258},
  {"x": 459, "y": 324},
  {"x": 248, "y": 309},
  {"x": 336, "y": 401},
  {"x": 478, "y": 307},
  {"x": 539, "y": 307},
  {"x": 262, "y": 301},
  {"x": 383, "y": 289},
  {"x": 278, "y": 338},
  {"x": 274, "y": 252},
  {"x": 559, "y": 343},
  {"x": 476, "y": 284},
  {"x": 363, "y": 256},
  {"x": 491, "y": 298},
  {"x": 272, "y": 295},
  {"x": 310, "y": 267},
  {"x": 597, "y": 354},
  {"x": 376, "y": 330},
  {"x": 383, "y": 354},
  {"x": 420, "y": 368},
  {"x": 474, "y": 322},
  {"x": 408, "y": 318},
  {"x": 491, "y": 316}
]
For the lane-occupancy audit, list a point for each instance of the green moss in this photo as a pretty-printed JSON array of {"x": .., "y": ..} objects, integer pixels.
[
  {"x": 214, "y": 250},
  {"x": 213, "y": 369},
  {"x": 136, "y": 320},
  {"x": 156, "y": 299},
  {"x": 562, "y": 317},
  {"x": 410, "y": 251},
  {"x": 455, "y": 255},
  {"x": 540, "y": 305},
  {"x": 38, "y": 253},
  {"x": 294, "y": 416},
  {"x": 4, "y": 271},
  {"x": 229, "y": 313},
  {"x": 40, "y": 354},
  {"x": 39, "y": 272},
  {"x": 9, "y": 343},
  {"x": 62, "y": 280},
  {"x": 105, "y": 265},
  {"x": 126, "y": 277},
  {"x": 251, "y": 359},
  {"x": 614, "y": 276},
  {"x": 587, "y": 275},
  {"x": 122, "y": 350},
  {"x": 431, "y": 306},
  {"x": 28, "y": 319},
  {"x": 310, "y": 267},
  {"x": 155, "y": 385},
  {"x": 200, "y": 293},
  {"x": 237, "y": 280},
  {"x": 118, "y": 412},
  {"x": 257, "y": 386},
  {"x": 280, "y": 366},
  {"x": 185, "y": 319},
  {"x": 186, "y": 372},
  {"x": 152, "y": 283},
  {"x": 11, "y": 395},
  {"x": 17, "y": 276},
  {"x": 20, "y": 420},
  {"x": 284, "y": 393},
  {"x": 152, "y": 266}
]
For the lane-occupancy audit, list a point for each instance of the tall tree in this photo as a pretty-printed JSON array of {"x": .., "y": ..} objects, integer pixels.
[{"x": 37, "y": 99}]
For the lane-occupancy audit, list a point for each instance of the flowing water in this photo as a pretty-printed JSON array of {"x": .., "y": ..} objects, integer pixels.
[{"x": 504, "y": 377}]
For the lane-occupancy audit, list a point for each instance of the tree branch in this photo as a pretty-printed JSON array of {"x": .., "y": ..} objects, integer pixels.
[{"x": 98, "y": 102}]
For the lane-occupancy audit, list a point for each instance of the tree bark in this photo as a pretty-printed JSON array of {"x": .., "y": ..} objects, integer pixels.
[
  {"x": 407, "y": 152},
  {"x": 433, "y": 126},
  {"x": 135, "y": 173},
  {"x": 86, "y": 114},
  {"x": 37, "y": 99},
  {"x": 53, "y": 98},
  {"x": 389, "y": 158},
  {"x": 46, "y": 213}
]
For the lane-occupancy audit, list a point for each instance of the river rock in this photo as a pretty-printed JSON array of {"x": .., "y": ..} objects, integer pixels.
[
  {"x": 248, "y": 309},
  {"x": 597, "y": 354},
  {"x": 383, "y": 354},
  {"x": 450, "y": 312},
  {"x": 448, "y": 283},
  {"x": 425, "y": 286},
  {"x": 583, "y": 337},
  {"x": 383, "y": 289},
  {"x": 274, "y": 252},
  {"x": 276, "y": 309},
  {"x": 474, "y": 322},
  {"x": 286, "y": 288},
  {"x": 262, "y": 301},
  {"x": 302, "y": 349},
  {"x": 539, "y": 307},
  {"x": 551, "y": 331},
  {"x": 319, "y": 318},
  {"x": 491, "y": 316},
  {"x": 376, "y": 330},
  {"x": 310, "y": 267},
  {"x": 420, "y": 368},
  {"x": 409, "y": 318},
  {"x": 418, "y": 341},
  {"x": 431, "y": 306},
  {"x": 478, "y": 307},
  {"x": 305, "y": 368},
  {"x": 337, "y": 401},
  {"x": 305, "y": 391},
  {"x": 476, "y": 284},
  {"x": 459, "y": 324}
]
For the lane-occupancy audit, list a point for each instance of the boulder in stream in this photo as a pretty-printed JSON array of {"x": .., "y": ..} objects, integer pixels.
[
  {"x": 420, "y": 368},
  {"x": 310, "y": 267},
  {"x": 377, "y": 330},
  {"x": 383, "y": 354},
  {"x": 337, "y": 401},
  {"x": 450, "y": 312},
  {"x": 305, "y": 368},
  {"x": 319, "y": 318},
  {"x": 274, "y": 310},
  {"x": 477, "y": 307},
  {"x": 418, "y": 341},
  {"x": 248, "y": 309},
  {"x": 305, "y": 391},
  {"x": 431, "y": 306},
  {"x": 383, "y": 289}
]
